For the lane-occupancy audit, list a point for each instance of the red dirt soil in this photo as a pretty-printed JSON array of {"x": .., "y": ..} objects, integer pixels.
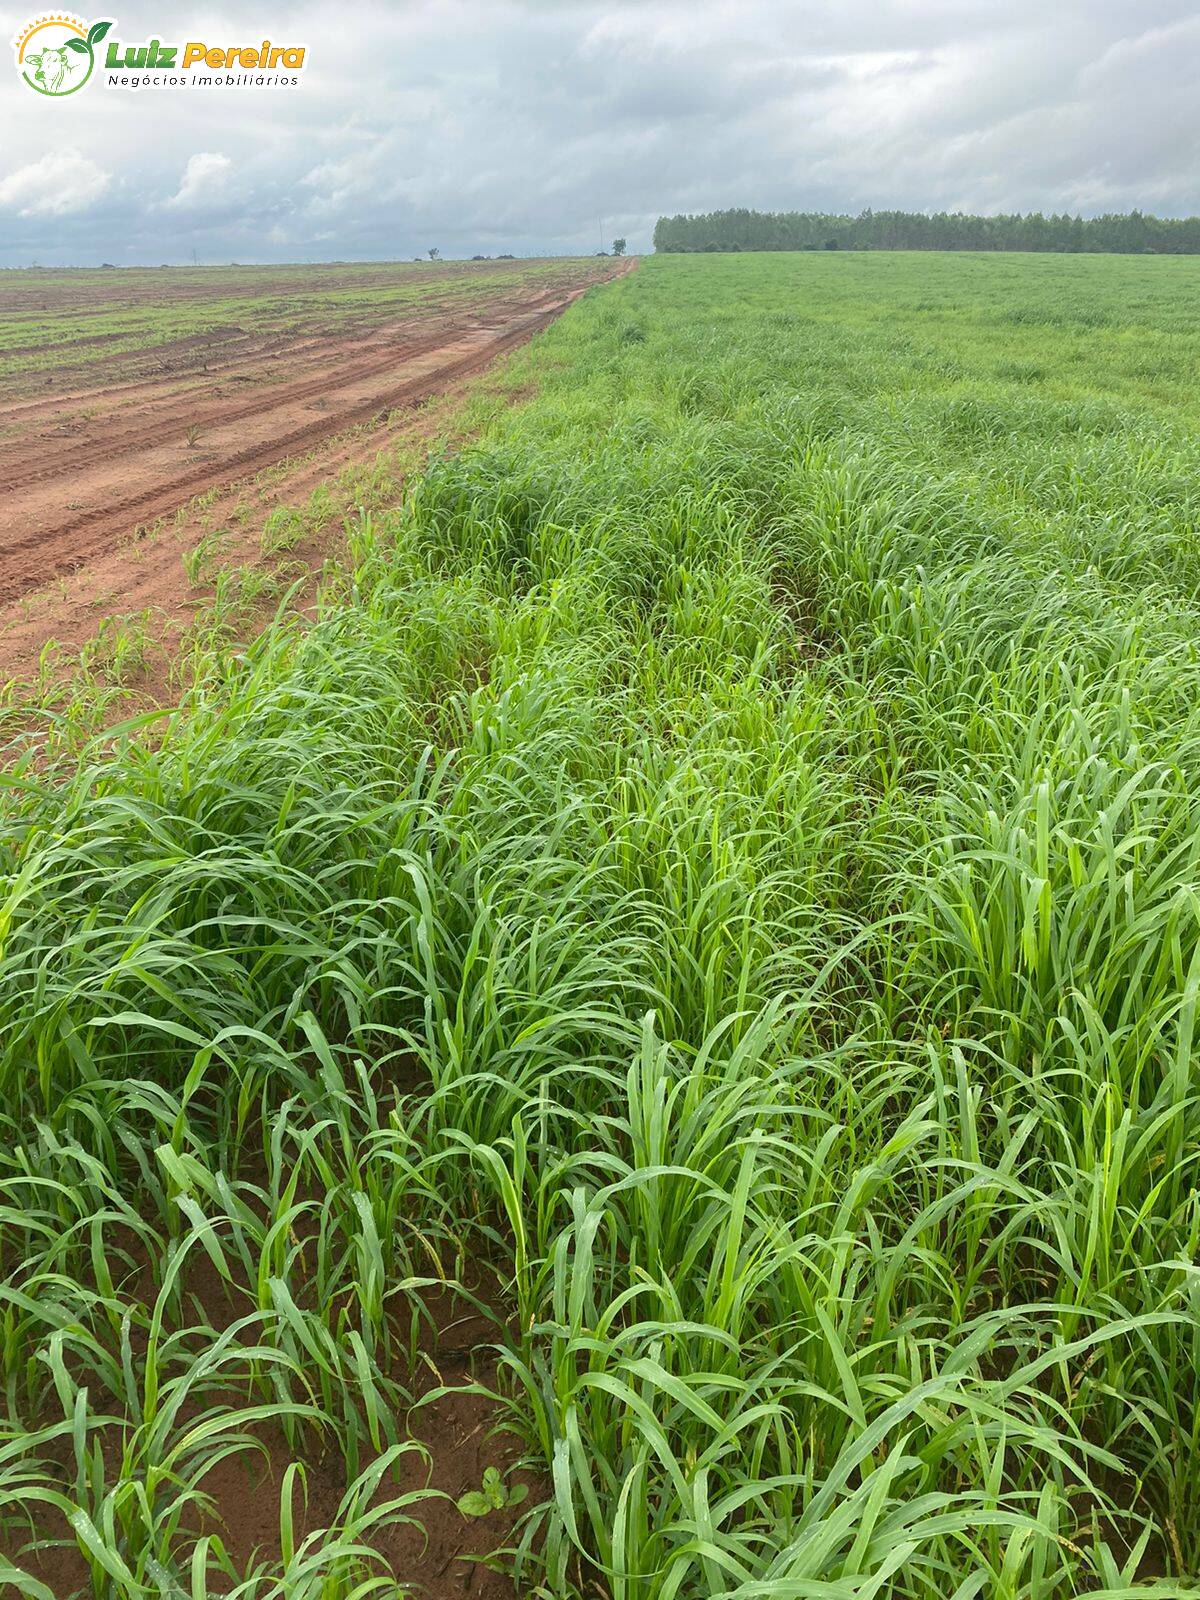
[
  {"x": 439, "y": 1553},
  {"x": 84, "y": 472}
]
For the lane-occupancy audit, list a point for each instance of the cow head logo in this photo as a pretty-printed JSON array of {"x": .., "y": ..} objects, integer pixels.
[{"x": 56, "y": 54}]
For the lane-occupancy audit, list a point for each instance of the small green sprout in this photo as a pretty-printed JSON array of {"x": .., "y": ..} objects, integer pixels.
[{"x": 494, "y": 1495}]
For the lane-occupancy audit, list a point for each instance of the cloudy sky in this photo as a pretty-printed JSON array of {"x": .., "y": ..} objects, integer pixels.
[{"x": 525, "y": 125}]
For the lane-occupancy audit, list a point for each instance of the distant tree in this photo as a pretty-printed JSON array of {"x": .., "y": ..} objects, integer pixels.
[
  {"x": 434, "y": 253},
  {"x": 1135, "y": 233},
  {"x": 618, "y": 248}
]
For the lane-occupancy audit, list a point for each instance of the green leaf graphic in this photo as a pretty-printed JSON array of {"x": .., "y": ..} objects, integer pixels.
[
  {"x": 77, "y": 45},
  {"x": 97, "y": 31}
]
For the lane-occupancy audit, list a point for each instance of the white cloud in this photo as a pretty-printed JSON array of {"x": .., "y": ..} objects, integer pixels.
[
  {"x": 60, "y": 182},
  {"x": 205, "y": 180}
]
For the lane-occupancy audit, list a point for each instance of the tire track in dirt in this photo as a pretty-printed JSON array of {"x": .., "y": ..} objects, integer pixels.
[
  {"x": 130, "y": 440},
  {"x": 236, "y": 361},
  {"x": 427, "y": 334}
]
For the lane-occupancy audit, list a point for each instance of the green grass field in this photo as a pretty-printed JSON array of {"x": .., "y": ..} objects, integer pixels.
[{"x": 731, "y": 860}]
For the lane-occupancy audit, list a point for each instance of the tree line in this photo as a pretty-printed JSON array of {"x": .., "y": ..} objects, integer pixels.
[{"x": 1131, "y": 232}]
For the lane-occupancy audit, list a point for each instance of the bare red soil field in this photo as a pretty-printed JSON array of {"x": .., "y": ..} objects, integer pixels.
[{"x": 104, "y": 439}]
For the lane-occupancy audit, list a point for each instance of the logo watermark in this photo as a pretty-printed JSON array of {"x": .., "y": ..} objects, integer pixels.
[{"x": 57, "y": 54}]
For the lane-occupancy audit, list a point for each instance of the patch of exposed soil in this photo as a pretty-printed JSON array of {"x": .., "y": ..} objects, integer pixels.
[
  {"x": 93, "y": 479},
  {"x": 429, "y": 1545}
]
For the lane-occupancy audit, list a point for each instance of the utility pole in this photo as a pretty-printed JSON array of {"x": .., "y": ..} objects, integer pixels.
[{"x": 602, "y": 235}]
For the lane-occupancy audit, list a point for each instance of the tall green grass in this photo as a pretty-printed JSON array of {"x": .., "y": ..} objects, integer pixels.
[{"x": 728, "y": 862}]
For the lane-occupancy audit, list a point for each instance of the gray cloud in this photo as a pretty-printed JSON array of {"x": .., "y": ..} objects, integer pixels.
[{"x": 521, "y": 124}]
